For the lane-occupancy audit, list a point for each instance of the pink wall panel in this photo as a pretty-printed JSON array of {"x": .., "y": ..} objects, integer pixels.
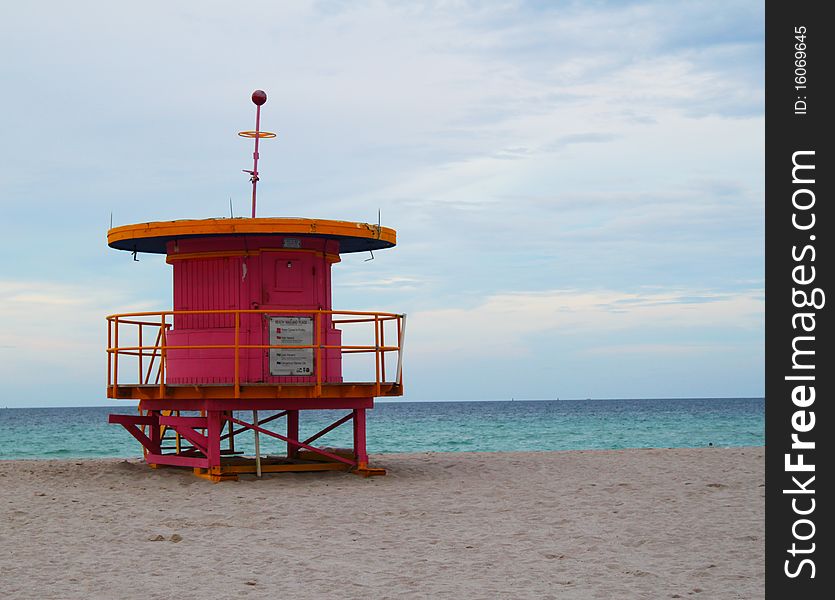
[{"x": 246, "y": 272}]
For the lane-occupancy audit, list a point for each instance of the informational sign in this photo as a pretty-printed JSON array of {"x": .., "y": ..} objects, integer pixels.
[
  {"x": 292, "y": 243},
  {"x": 291, "y": 331}
]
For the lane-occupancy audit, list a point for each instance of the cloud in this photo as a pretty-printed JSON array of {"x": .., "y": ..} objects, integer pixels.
[
  {"x": 394, "y": 283},
  {"x": 514, "y": 146},
  {"x": 657, "y": 350},
  {"x": 512, "y": 322},
  {"x": 57, "y": 331},
  {"x": 580, "y": 138}
]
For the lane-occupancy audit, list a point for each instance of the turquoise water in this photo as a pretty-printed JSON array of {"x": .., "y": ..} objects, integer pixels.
[{"x": 431, "y": 426}]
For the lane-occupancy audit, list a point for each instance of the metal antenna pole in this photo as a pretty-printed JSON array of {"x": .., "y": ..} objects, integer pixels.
[
  {"x": 255, "y": 154},
  {"x": 259, "y": 97}
]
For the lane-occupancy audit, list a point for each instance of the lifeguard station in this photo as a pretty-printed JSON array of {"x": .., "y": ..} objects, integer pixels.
[{"x": 252, "y": 330}]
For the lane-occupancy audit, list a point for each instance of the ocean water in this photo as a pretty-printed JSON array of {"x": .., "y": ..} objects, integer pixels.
[{"x": 430, "y": 426}]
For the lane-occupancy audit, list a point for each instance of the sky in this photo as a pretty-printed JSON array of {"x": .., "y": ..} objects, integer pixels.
[{"x": 577, "y": 187}]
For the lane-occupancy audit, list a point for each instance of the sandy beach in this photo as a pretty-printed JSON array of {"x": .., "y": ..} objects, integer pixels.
[{"x": 680, "y": 523}]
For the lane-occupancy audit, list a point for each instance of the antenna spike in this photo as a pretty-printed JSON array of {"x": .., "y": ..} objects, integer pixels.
[{"x": 259, "y": 97}]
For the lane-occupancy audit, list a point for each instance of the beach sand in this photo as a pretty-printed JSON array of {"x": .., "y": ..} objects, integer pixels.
[{"x": 667, "y": 523}]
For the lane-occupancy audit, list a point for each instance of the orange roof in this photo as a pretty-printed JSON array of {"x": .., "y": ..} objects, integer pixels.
[{"x": 153, "y": 237}]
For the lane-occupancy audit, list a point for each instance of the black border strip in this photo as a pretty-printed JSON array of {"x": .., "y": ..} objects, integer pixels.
[{"x": 799, "y": 231}]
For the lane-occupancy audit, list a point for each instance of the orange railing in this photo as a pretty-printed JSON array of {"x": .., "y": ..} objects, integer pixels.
[{"x": 127, "y": 335}]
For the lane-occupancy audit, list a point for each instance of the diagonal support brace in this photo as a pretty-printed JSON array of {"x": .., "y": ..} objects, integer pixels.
[{"x": 295, "y": 443}]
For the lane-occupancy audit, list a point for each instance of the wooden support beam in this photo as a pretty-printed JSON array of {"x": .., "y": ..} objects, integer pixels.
[
  {"x": 130, "y": 423},
  {"x": 177, "y": 460},
  {"x": 295, "y": 443},
  {"x": 330, "y": 427}
]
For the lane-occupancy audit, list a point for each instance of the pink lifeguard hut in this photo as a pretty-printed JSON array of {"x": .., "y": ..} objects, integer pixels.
[{"x": 252, "y": 330}]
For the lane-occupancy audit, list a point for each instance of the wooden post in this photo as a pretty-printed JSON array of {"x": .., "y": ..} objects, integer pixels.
[
  {"x": 359, "y": 438},
  {"x": 292, "y": 433},
  {"x": 231, "y": 433},
  {"x": 214, "y": 426},
  {"x": 257, "y": 444},
  {"x": 177, "y": 447}
]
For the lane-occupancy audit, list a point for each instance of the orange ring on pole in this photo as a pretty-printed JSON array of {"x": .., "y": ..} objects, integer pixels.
[{"x": 256, "y": 134}]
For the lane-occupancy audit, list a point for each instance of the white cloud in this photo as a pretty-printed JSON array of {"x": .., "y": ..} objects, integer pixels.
[
  {"x": 54, "y": 332},
  {"x": 511, "y": 322},
  {"x": 513, "y": 145}
]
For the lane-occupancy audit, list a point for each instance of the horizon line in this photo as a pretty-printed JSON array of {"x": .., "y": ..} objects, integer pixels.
[{"x": 393, "y": 401}]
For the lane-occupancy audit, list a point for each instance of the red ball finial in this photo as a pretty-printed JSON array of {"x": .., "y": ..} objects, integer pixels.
[{"x": 259, "y": 97}]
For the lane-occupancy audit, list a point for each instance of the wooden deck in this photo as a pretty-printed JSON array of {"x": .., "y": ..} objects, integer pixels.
[{"x": 255, "y": 391}]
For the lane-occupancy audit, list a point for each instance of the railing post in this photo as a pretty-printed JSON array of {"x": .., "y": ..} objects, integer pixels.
[
  {"x": 383, "y": 352},
  {"x": 109, "y": 353},
  {"x": 376, "y": 355},
  {"x": 153, "y": 358},
  {"x": 317, "y": 365},
  {"x": 116, "y": 352},
  {"x": 401, "y": 339},
  {"x": 139, "y": 381},
  {"x": 162, "y": 356},
  {"x": 237, "y": 352}
]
